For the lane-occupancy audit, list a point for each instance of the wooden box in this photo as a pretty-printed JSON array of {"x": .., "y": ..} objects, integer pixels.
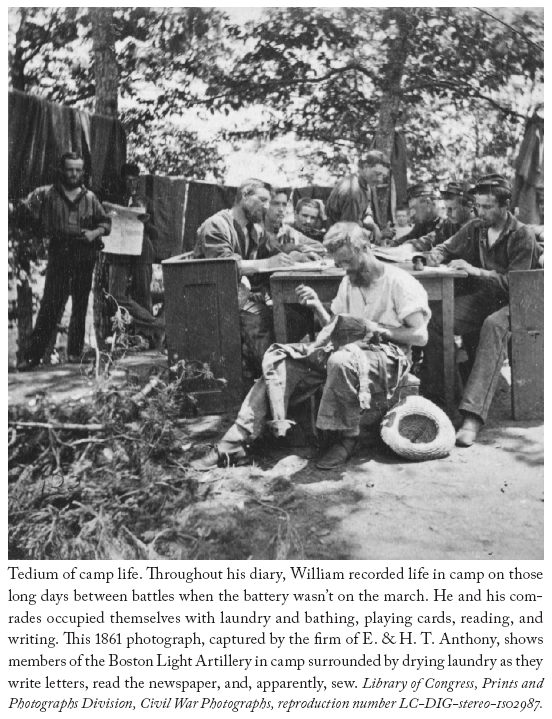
[
  {"x": 527, "y": 323},
  {"x": 203, "y": 325}
]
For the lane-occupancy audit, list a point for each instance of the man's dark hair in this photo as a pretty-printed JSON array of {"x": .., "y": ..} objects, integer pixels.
[
  {"x": 281, "y": 191},
  {"x": 373, "y": 158},
  {"x": 307, "y": 202},
  {"x": 249, "y": 187},
  {"x": 495, "y": 185},
  {"x": 130, "y": 169},
  {"x": 69, "y": 156},
  {"x": 503, "y": 196}
]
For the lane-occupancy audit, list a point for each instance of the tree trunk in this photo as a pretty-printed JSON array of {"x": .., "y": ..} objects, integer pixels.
[
  {"x": 24, "y": 316},
  {"x": 107, "y": 93},
  {"x": 17, "y": 59},
  {"x": 105, "y": 62},
  {"x": 390, "y": 107}
]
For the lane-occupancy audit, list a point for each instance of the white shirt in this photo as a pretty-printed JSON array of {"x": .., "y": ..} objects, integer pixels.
[{"x": 387, "y": 301}]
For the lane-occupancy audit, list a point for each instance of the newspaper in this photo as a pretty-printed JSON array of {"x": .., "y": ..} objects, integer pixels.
[{"x": 127, "y": 230}]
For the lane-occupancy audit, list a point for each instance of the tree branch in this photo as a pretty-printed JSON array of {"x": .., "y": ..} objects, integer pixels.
[
  {"x": 286, "y": 83},
  {"x": 467, "y": 88}
]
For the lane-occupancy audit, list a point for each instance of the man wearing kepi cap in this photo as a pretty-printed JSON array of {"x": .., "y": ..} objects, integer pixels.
[
  {"x": 424, "y": 212},
  {"x": 354, "y": 198},
  {"x": 487, "y": 248}
]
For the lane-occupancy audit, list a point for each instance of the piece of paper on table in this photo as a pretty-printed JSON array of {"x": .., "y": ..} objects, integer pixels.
[
  {"x": 395, "y": 255},
  {"x": 127, "y": 231},
  {"x": 312, "y": 266}
]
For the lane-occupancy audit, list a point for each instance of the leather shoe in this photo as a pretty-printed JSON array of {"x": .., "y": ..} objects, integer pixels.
[
  {"x": 468, "y": 432},
  {"x": 338, "y": 454},
  {"x": 27, "y": 366},
  {"x": 214, "y": 459}
]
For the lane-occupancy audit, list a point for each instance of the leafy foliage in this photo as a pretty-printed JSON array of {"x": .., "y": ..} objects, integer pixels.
[
  {"x": 326, "y": 72},
  {"x": 164, "y": 55},
  {"x": 461, "y": 91}
]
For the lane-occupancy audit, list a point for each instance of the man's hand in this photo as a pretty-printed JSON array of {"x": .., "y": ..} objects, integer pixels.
[
  {"x": 303, "y": 256},
  {"x": 372, "y": 326},
  {"x": 388, "y": 233},
  {"x": 463, "y": 265},
  {"x": 433, "y": 260},
  {"x": 307, "y": 296},
  {"x": 279, "y": 260},
  {"x": 91, "y": 235}
]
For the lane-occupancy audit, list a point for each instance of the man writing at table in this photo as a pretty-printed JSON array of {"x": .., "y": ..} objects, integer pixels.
[
  {"x": 487, "y": 249},
  {"x": 237, "y": 233},
  {"x": 372, "y": 298}
]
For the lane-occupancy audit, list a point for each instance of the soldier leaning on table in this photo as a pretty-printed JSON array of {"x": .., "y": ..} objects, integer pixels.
[{"x": 487, "y": 248}]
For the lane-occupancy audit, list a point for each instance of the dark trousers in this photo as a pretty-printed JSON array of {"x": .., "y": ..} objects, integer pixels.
[
  {"x": 480, "y": 313},
  {"x": 257, "y": 332},
  {"x": 136, "y": 296},
  {"x": 67, "y": 274}
]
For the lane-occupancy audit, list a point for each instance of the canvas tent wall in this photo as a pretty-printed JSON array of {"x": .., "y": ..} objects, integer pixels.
[
  {"x": 39, "y": 132},
  {"x": 529, "y": 166}
]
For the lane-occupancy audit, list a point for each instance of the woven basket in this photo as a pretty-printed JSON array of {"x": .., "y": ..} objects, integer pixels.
[{"x": 418, "y": 430}]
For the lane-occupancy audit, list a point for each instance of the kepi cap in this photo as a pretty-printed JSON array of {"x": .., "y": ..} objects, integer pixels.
[
  {"x": 422, "y": 189},
  {"x": 455, "y": 189},
  {"x": 487, "y": 182}
]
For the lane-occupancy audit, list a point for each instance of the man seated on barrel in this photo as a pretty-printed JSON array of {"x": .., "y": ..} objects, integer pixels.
[
  {"x": 487, "y": 248},
  {"x": 379, "y": 312},
  {"x": 237, "y": 233}
]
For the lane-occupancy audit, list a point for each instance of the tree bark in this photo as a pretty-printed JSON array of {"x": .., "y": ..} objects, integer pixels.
[
  {"x": 107, "y": 93},
  {"x": 17, "y": 59},
  {"x": 105, "y": 62},
  {"x": 390, "y": 107}
]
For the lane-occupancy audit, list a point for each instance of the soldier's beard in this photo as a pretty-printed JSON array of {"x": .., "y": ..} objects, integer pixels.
[{"x": 361, "y": 277}]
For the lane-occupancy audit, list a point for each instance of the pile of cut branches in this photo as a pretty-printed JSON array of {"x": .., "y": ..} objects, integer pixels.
[
  {"x": 110, "y": 479},
  {"x": 87, "y": 480}
]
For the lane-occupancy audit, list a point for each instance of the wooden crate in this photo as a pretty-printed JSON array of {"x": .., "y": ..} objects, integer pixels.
[
  {"x": 203, "y": 325},
  {"x": 527, "y": 323}
]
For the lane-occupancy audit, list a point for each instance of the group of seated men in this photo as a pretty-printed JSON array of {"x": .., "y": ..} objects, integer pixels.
[{"x": 380, "y": 311}]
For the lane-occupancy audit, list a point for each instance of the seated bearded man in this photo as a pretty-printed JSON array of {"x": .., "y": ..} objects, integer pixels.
[{"x": 373, "y": 298}]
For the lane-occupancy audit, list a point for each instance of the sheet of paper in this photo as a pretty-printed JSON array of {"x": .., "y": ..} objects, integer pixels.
[
  {"x": 127, "y": 231},
  {"x": 396, "y": 255}
]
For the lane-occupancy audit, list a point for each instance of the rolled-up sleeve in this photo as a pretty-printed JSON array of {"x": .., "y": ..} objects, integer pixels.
[{"x": 459, "y": 246}]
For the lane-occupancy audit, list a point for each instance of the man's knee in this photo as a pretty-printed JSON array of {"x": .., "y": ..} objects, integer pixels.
[
  {"x": 497, "y": 323},
  {"x": 340, "y": 361}
]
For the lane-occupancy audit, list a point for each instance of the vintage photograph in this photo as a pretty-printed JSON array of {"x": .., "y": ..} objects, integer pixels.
[{"x": 276, "y": 283}]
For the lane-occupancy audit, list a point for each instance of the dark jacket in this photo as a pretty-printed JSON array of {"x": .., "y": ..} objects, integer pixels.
[
  {"x": 62, "y": 220},
  {"x": 515, "y": 249}
]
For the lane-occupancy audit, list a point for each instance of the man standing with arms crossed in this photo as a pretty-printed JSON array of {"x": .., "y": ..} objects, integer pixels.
[{"x": 73, "y": 220}]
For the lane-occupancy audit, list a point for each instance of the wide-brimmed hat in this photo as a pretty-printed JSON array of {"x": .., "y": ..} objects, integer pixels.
[
  {"x": 490, "y": 182},
  {"x": 418, "y": 430}
]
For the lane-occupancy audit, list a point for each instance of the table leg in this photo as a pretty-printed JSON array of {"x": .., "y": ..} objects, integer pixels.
[
  {"x": 279, "y": 311},
  {"x": 449, "y": 354}
]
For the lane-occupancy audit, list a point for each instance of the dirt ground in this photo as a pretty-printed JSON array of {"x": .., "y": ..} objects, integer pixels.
[{"x": 485, "y": 502}]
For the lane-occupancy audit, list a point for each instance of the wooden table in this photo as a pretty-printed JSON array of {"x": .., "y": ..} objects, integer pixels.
[{"x": 438, "y": 283}]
